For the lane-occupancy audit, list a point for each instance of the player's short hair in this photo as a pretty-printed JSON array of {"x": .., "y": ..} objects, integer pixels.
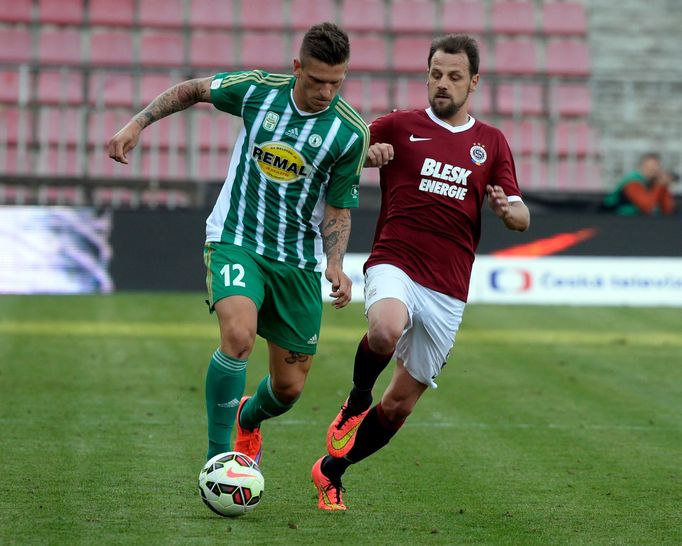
[
  {"x": 325, "y": 42},
  {"x": 457, "y": 43},
  {"x": 649, "y": 155}
]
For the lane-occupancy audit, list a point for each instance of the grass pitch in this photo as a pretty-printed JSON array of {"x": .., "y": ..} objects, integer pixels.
[{"x": 551, "y": 425}]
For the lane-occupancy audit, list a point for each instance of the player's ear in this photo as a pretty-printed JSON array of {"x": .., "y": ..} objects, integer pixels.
[
  {"x": 298, "y": 68},
  {"x": 474, "y": 83}
]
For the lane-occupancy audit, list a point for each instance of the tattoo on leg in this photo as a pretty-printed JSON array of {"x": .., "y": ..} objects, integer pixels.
[{"x": 296, "y": 358}]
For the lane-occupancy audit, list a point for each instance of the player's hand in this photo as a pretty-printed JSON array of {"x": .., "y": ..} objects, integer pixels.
[
  {"x": 497, "y": 201},
  {"x": 124, "y": 141},
  {"x": 379, "y": 154},
  {"x": 342, "y": 287}
]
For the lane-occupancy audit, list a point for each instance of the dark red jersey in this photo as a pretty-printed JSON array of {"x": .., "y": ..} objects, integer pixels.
[{"x": 432, "y": 194}]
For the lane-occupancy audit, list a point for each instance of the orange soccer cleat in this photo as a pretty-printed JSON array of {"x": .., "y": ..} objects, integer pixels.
[
  {"x": 248, "y": 442},
  {"x": 341, "y": 433},
  {"x": 329, "y": 491}
]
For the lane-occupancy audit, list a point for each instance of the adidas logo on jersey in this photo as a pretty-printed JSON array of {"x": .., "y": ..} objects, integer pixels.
[
  {"x": 313, "y": 340},
  {"x": 293, "y": 132}
]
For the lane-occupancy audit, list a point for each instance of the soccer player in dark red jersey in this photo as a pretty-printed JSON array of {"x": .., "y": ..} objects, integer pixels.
[{"x": 441, "y": 166}]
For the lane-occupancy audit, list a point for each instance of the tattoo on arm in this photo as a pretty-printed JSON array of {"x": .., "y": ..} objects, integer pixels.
[
  {"x": 180, "y": 96},
  {"x": 296, "y": 358},
  {"x": 335, "y": 233}
]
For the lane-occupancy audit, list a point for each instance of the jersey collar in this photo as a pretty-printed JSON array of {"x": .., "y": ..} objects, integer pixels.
[{"x": 453, "y": 129}]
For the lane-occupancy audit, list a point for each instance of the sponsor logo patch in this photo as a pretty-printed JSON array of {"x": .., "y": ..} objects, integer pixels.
[{"x": 280, "y": 162}]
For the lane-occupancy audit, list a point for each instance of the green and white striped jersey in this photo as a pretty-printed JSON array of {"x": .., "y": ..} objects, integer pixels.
[{"x": 286, "y": 164}]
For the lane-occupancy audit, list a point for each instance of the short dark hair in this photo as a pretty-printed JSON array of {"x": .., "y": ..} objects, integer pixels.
[
  {"x": 457, "y": 43},
  {"x": 325, "y": 42}
]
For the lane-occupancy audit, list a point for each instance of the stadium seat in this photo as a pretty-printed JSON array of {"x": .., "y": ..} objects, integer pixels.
[
  {"x": 169, "y": 133},
  {"x": 212, "y": 14},
  {"x": 305, "y": 13},
  {"x": 567, "y": 58},
  {"x": 368, "y": 53},
  {"x": 262, "y": 15},
  {"x": 369, "y": 178},
  {"x": 564, "y": 18},
  {"x": 531, "y": 173},
  {"x": 266, "y": 50},
  {"x": 211, "y": 165},
  {"x": 16, "y": 44},
  {"x": 213, "y": 50},
  {"x": 574, "y": 138},
  {"x": 410, "y": 54},
  {"x": 15, "y": 194},
  {"x": 102, "y": 125},
  {"x": 112, "y": 12},
  {"x": 480, "y": 101},
  {"x": 519, "y": 98},
  {"x": 159, "y": 164},
  {"x": 162, "y": 48},
  {"x": 111, "y": 47},
  {"x": 213, "y": 130},
  {"x": 168, "y": 199},
  {"x": 161, "y": 13},
  {"x": 464, "y": 16},
  {"x": 15, "y": 85},
  {"x": 60, "y": 195},
  {"x": 110, "y": 89},
  {"x": 407, "y": 16},
  {"x": 410, "y": 93},
  {"x": 578, "y": 174},
  {"x": 516, "y": 56},
  {"x": 571, "y": 99},
  {"x": 60, "y": 126},
  {"x": 60, "y": 87},
  {"x": 60, "y": 12},
  {"x": 367, "y": 95},
  {"x": 526, "y": 137},
  {"x": 16, "y": 125},
  {"x": 363, "y": 15},
  {"x": 60, "y": 46},
  {"x": 115, "y": 197},
  {"x": 59, "y": 160},
  {"x": 513, "y": 17},
  {"x": 16, "y": 11}
]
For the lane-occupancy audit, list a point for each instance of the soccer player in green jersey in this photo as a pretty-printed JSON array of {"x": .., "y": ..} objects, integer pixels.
[{"x": 285, "y": 204}]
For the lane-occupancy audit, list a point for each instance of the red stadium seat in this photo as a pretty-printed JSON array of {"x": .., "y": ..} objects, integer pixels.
[
  {"x": 367, "y": 95},
  {"x": 112, "y": 12},
  {"x": 161, "y": 13},
  {"x": 213, "y": 14},
  {"x": 564, "y": 18},
  {"x": 115, "y": 197},
  {"x": 60, "y": 46},
  {"x": 571, "y": 99},
  {"x": 169, "y": 133},
  {"x": 169, "y": 199},
  {"x": 369, "y": 178},
  {"x": 211, "y": 165},
  {"x": 363, "y": 15},
  {"x": 58, "y": 161},
  {"x": 111, "y": 89},
  {"x": 520, "y": 98},
  {"x": 212, "y": 50},
  {"x": 368, "y": 53},
  {"x": 513, "y": 17},
  {"x": 305, "y": 13},
  {"x": 567, "y": 58},
  {"x": 16, "y": 11},
  {"x": 162, "y": 48},
  {"x": 574, "y": 138},
  {"x": 266, "y": 50},
  {"x": 15, "y": 194},
  {"x": 60, "y": 12},
  {"x": 532, "y": 174},
  {"x": 111, "y": 47},
  {"x": 16, "y": 125},
  {"x": 525, "y": 137},
  {"x": 578, "y": 174},
  {"x": 60, "y": 126},
  {"x": 16, "y": 44},
  {"x": 411, "y": 94},
  {"x": 60, "y": 87},
  {"x": 411, "y": 54},
  {"x": 163, "y": 164},
  {"x": 213, "y": 130},
  {"x": 480, "y": 101},
  {"x": 61, "y": 195},
  {"x": 412, "y": 16},
  {"x": 103, "y": 125},
  {"x": 464, "y": 16},
  {"x": 262, "y": 15},
  {"x": 152, "y": 85},
  {"x": 516, "y": 56},
  {"x": 15, "y": 85}
]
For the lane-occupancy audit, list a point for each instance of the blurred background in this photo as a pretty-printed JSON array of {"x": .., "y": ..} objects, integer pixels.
[{"x": 581, "y": 88}]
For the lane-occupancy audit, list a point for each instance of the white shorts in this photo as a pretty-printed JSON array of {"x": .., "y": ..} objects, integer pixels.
[{"x": 434, "y": 319}]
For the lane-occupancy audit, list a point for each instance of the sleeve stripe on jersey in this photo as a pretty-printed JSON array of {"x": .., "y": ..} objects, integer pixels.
[
  {"x": 356, "y": 121},
  {"x": 276, "y": 80}
]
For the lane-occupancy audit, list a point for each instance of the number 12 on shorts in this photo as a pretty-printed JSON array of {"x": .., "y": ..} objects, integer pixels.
[{"x": 233, "y": 275}]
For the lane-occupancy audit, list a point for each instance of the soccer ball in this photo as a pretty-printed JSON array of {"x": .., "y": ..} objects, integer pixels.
[{"x": 231, "y": 484}]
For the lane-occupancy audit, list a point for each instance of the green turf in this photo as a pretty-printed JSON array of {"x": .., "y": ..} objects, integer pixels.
[{"x": 551, "y": 425}]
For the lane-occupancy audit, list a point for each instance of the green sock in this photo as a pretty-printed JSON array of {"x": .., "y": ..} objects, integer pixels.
[
  {"x": 225, "y": 382},
  {"x": 262, "y": 405}
]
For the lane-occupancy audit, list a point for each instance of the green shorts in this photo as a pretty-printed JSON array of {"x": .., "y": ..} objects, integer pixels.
[{"x": 288, "y": 299}]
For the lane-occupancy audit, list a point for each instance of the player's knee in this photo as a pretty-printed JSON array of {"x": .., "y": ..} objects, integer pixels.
[
  {"x": 288, "y": 394},
  {"x": 237, "y": 342},
  {"x": 396, "y": 411},
  {"x": 382, "y": 338}
]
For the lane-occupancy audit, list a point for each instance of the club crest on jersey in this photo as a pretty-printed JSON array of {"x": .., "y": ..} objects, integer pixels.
[
  {"x": 270, "y": 121},
  {"x": 478, "y": 154},
  {"x": 315, "y": 140},
  {"x": 280, "y": 162}
]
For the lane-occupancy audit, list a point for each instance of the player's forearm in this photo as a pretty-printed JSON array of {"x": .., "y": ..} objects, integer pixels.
[
  {"x": 335, "y": 230},
  {"x": 517, "y": 217},
  {"x": 177, "y": 98}
]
